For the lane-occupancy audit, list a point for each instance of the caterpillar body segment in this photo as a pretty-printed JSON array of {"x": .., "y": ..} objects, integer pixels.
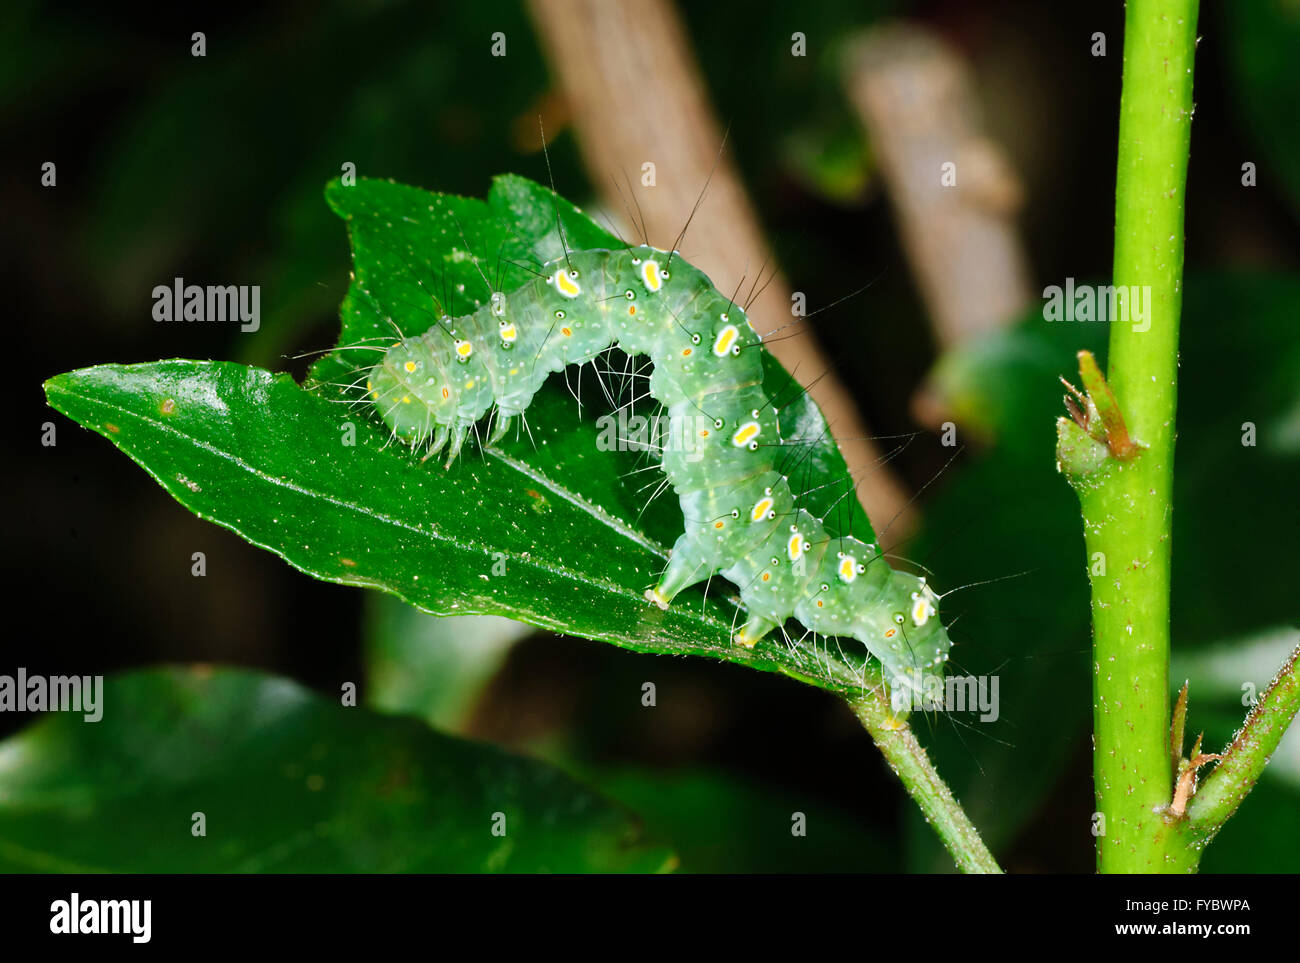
[{"x": 725, "y": 452}]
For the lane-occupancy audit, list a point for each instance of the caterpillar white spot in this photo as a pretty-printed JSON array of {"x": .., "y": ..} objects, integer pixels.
[{"x": 743, "y": 520}]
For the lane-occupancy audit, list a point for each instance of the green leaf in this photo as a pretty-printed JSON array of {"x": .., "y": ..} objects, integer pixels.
[
  {"x": 287, "y": 781},
  {"x": 535, "y": 215},
  {"x": 267, "y": 459}
]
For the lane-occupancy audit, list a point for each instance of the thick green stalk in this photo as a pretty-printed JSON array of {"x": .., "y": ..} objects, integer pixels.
[
  {"x": 908, "y": 759},
  {"x": 1127, "y": 505}
]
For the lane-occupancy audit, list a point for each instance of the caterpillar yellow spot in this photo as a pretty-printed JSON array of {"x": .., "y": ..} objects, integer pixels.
[
  {"x": 406, "y": 399},
  {"x": 718, "y": 524},
  {"x": 650, "y": 274},
  {"x": 566, "y": 285},
  {"x": 470, "y": 383},
  {"x": 726, "y": 338},
  {"x": 795, "y": 547},
  {"x": 514, "y": 371},
  {"x": 410, "y": 367},
  {"x": 509, "y": 332},
  {"x": 567, "y": 332},
  {"x": 464, "y": 349},
  {"x": 767, "y": 576},
  {"x": 761, "y": 508},
  {"x": 747, "y": 433},
  {"x": 445, "y": 394},
  {"x": 890, "y": 633},
  {"x": 923, "y": 607},
  {"x": 848, "y": 568}
]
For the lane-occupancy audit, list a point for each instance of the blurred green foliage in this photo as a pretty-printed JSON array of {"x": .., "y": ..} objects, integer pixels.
[
  {"x": 287, "y": 781},
  {"x": 726, "y": 825},
  {"x": 254, "y": 128},
  {"x": 433, "y": 668},
  {"x": 1264, "y": 38}
]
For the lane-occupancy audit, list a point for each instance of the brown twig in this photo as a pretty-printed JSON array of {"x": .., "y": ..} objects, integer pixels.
[{"x": 916, "y": 97}]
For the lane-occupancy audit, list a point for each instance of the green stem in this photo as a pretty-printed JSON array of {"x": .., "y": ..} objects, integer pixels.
[
  {"x": 908, "y": 759},
  {"x": 1118, "y": 452},
  {"x": 1243, "y": 761},
  {"x": 1127, "y": 503},
  {"x": 1177, "y": 843}
]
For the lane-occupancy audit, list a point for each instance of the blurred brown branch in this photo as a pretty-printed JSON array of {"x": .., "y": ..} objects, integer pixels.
[
  {"x": 915, "y": 95},
  {"x": 636, "y": 96}
]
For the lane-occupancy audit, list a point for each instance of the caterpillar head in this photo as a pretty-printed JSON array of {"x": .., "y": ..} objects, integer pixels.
[
  {"x": 904, "y": 632},
  {"x": 411, "y": 391}
]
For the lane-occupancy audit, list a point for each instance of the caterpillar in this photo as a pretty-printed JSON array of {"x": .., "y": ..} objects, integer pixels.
[{"x": 725, "y": 449}]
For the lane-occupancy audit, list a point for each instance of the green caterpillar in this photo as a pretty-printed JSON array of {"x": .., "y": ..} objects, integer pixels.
[{"x": 724, "y": 452}]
